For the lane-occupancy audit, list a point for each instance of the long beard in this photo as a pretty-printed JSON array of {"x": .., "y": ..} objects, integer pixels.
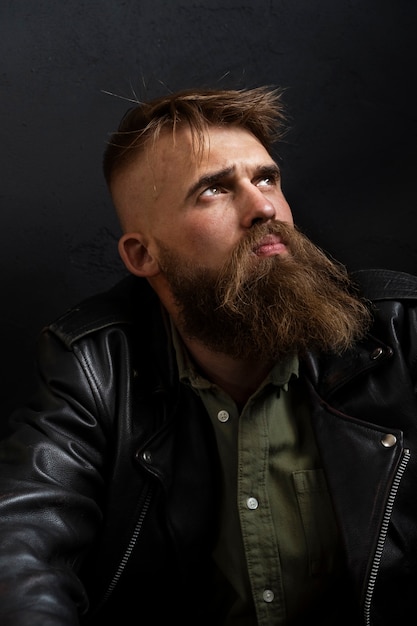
[{"x": 268, "y": 307}]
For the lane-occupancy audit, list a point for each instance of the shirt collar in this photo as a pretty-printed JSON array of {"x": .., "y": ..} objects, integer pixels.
[{"x": 279, "y": 375}]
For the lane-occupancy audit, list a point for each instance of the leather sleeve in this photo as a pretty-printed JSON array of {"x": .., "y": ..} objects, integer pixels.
[{"x": 52, "y": 477}]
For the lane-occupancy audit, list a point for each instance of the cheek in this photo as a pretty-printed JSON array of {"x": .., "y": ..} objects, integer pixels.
[
  {"x": 208, "y": 244},
  {"x": 284, "y": 213},
  {"x": 289, "y": 219}
]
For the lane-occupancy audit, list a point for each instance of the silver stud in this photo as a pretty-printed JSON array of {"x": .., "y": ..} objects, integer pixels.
[
  {"x": 389, "y": 440},
  {"x": 376, "y": 353},
  {"x": 147, "y": 456}
]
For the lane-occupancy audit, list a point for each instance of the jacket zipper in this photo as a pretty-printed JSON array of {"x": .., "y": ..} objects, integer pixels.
[
  {"x": 120, "y": 569},
  {"x": 382, "y": 537}
]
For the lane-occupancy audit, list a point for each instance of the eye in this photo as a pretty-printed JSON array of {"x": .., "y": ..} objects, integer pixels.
[
  {"x": 265, "y": 182},
  {"x": 268, "y": 181},
  {"x": 211, "y": 191}
]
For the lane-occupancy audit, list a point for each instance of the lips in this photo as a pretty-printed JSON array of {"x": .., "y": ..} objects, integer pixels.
[{"x": 270, "y": 245}]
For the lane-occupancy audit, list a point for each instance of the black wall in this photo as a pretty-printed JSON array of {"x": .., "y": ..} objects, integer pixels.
[{"x": 349, "y": 161}]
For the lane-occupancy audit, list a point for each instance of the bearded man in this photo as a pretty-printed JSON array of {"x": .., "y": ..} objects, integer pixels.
[{"x": 225, "y": 437}]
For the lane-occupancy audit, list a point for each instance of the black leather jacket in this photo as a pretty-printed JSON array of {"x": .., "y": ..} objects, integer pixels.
[{"x": 112, "y": 451}]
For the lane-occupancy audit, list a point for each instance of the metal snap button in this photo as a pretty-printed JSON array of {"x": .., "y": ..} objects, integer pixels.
[{"x": 389, "y": 440}]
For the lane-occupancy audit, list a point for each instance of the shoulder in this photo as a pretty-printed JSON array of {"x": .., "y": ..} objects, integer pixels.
[
  {"x": 385, "y": 284},
  {"x": 122, "y": 305}
]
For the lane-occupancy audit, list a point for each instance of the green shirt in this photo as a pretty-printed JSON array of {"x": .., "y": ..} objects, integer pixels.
[{"x": 278, "y": 541}]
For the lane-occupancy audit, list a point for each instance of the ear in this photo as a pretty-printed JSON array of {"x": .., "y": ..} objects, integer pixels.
[{"x": 136, "y": 257}]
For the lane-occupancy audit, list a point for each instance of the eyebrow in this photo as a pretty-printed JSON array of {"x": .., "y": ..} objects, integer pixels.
[
  {"x": 271, "y": 169},
  {"x": 210, "y": 179}
]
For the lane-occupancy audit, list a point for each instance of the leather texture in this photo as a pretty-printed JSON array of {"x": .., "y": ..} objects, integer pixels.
[{"x": 109, "y": 485}]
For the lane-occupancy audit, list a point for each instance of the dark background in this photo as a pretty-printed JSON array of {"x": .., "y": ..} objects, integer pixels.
[{"x": 349, "y": 161}]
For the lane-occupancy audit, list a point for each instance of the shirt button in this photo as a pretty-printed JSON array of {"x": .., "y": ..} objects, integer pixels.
[
  {"x": 268, "y": 595},
  {"x": 252, "y": 503},
  {"x": 223, "y": 416}
]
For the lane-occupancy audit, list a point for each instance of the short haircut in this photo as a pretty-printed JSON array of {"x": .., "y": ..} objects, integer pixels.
[{"x": 259, "y": 110}]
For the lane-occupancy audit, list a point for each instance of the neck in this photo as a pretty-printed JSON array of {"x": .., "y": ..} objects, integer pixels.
[{"x": 238, "y": 378}]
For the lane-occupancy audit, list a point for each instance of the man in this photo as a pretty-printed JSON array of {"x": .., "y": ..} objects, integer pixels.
[{"x": 226, "y": 437}]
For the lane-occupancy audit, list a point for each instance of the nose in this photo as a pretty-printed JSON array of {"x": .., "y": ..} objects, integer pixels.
[{"x": 257, "y": 207}]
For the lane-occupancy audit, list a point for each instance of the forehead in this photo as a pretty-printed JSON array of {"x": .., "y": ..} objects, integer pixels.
[{"x": 183, "y": 156}]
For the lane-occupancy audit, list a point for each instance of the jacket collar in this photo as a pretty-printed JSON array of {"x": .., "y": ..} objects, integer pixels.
[{"x": 329, "y": 372}]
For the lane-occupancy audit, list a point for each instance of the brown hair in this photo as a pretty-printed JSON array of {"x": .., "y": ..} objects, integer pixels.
[{"x": 259, "y": 110}]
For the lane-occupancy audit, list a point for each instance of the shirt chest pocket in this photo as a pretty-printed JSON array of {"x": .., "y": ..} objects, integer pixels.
[{"x": 318, "y": 520}]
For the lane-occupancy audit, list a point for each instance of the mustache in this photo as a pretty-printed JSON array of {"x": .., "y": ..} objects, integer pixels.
[
  {"x": 241, "y": 257},
  {"x": 258, "y": 232}
]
